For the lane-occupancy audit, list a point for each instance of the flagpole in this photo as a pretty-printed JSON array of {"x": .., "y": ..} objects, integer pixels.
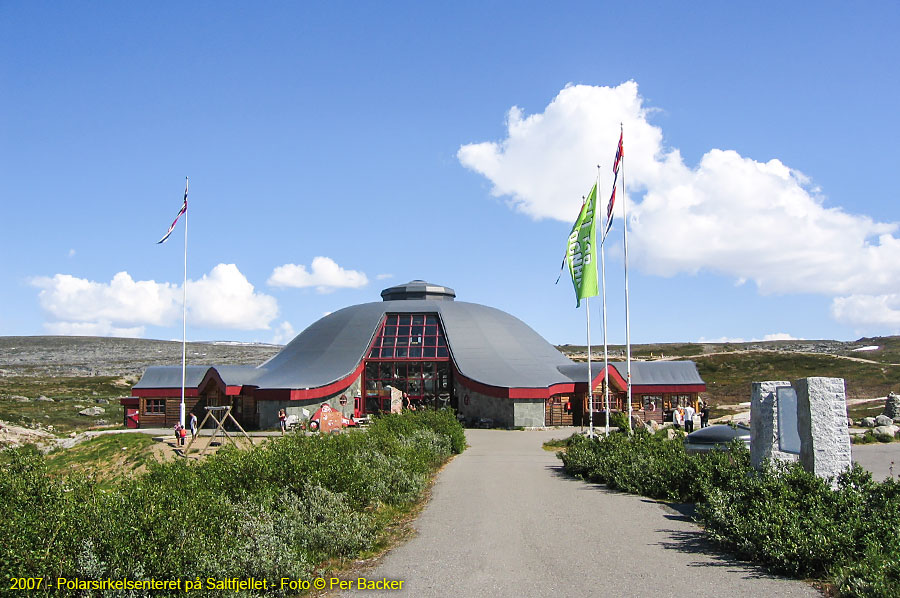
[
  {"x": 605, "y": 349},
  {"x": 184, "y": 307},
  {"x": 627, "y": 314},
  {"x": 587, "y": 309}
]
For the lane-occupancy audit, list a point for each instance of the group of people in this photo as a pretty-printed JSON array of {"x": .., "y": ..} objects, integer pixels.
[
  {"x": 684, "y": 417},
  {"x": 181, "y": 433}
]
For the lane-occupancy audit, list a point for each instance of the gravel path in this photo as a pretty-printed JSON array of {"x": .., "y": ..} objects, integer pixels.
[{"x": 504, "y": 521}]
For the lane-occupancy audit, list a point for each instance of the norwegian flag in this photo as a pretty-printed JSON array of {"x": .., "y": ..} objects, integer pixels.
[
  {"x": 620, "y": 153},
  {"x": 174, "y": 222},
  {"x": 609, "y": 211}
]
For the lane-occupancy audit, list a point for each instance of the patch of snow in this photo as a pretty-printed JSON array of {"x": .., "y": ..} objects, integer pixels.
[{"x": 869, "y": 348}]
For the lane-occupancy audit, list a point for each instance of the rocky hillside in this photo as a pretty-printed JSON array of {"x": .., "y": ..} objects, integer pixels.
[{"x": 68, "y": 356}]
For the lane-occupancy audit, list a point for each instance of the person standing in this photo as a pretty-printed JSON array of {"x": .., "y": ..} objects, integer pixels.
[
  {"x": 282, "y": 420},
  {"x": 677, "y": 417},
  {"x": 704, "y": 416},
  {"x": 689, "y": 419},
  {"x": 179, "y": 434},
  {"x": 193, "y": 425}
]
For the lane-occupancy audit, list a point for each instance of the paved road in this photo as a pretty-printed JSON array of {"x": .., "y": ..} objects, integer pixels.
[
  {"x": 503, "y": 521},
  {"x": 883, "y": 460}
]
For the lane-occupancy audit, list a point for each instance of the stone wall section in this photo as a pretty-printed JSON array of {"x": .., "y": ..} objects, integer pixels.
[
  {"x": 502, "y": 411},
  {"x": 268, "y": 410},
  {"x": 529, "y": 413},
  {"x": 764, "y": 424},
  {"x": 822, "y": 423}
]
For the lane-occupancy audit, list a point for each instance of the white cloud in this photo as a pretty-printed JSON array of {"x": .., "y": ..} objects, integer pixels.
[
  {"x": 866, "y": 312},
  {"x": 284, "y": 333},
  {"x": 71, "y": 253},
  {"x": 120, "y": 301},
  {"x": 224, "y": 298},
  {"x": 102, "y": 328},
  {"x": 759, "y": 221},
  {"x": 780, "y": 336},
  {"x": 384, "y": 276},
  {"x": 776, "y": 336},
  {"x": 324, "y": 274}
]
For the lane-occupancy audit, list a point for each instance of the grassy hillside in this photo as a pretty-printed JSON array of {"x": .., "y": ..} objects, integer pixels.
[
  {"x": 105, "y": 457},
  {"x": 19, "y": 402},
  {"x": 728, "y": 376},
  {"x": 729, "y": 368}
]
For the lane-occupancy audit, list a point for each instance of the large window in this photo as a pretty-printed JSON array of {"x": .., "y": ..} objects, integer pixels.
[
  {"x": 409, "y": 353},
  {"x": 410, "y": 336},
  {"x": 155, "y": 407}
]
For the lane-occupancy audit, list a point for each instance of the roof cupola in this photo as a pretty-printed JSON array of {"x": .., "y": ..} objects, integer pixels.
[{"x": 418, "y": 290}]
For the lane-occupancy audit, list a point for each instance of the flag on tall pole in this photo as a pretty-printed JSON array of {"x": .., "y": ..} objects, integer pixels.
[
  {"x": 580, "y": 256},
  {"x": 620, "y": 154},
  {"x": 183, "y": 210},
  {"x": 183, "y": 295},
  {"x": 581, "y": 250}
]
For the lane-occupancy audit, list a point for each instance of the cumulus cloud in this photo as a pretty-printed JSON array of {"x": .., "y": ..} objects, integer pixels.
[
  {"x": 729, "y": 214},
  {"x": 868, "y": 311},
  {"x": 101, "y": 328},
  {"x": 284, "y": 333},
  {"x": 324, "y": 274},
  {"x": 224, "y": 299},
  {"x": 776, "y": 336}
]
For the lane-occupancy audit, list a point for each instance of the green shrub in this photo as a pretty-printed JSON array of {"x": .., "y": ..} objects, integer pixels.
[
  {"x": 278, "y": 510},
  {"x": 619, "y": 420},
  {"x": 782, "y": 516}
]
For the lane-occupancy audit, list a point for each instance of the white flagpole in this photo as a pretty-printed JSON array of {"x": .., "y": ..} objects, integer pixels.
[
  {"x": 184, "y": 307},
  {"x": 605, "y": 349},
  {"x": 587, "y": 309},
  {"x": 627, "y": 315}
]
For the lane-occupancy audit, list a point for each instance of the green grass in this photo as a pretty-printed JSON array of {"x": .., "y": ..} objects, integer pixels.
[
  {"x": 104, "y": 457},
  {"x": 728, "y": 377},
  {"x": 67, "y": 393}
]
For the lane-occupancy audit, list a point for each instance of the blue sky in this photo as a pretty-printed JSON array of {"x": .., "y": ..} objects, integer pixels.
[{"x": 338, "y": 148}]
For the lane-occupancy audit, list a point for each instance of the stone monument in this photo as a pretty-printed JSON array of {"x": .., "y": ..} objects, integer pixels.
[
  {"x": 892, "y": 407},
  {"x": 822, "y": 423},
  {"x": 764, "y": 424}
]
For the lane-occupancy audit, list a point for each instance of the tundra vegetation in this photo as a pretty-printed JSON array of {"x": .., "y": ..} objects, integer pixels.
[
  {"x": 782, "y": 517},
  {"x": 293, "y": 507}
]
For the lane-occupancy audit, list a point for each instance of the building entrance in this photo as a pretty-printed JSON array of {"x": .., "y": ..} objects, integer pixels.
[
  {"x": 427, "y": 384},
  {"x": 409, "y": 353}
]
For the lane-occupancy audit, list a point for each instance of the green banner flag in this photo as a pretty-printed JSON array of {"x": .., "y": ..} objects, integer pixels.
[{"x": 580, "y": 253}]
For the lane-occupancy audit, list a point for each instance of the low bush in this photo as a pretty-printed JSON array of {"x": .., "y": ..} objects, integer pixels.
[
  {"x": 782, "y": 516},
  {"x": 283, "y": 509}
]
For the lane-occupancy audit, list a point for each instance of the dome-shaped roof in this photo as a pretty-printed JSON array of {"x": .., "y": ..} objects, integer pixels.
[{"x": 487, "y": 346}]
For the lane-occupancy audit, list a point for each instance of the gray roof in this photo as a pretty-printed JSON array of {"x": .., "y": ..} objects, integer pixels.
[
  {"x": 169, "y": 376},
  {"x": 487, "y": 345},
  {"x": 650, "y": 373},
  {"x": 166, "y": 376},
  {"x": 659, "y": 373}
]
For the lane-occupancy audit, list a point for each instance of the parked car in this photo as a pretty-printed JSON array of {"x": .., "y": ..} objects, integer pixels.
[
  {"x": 715, "y": 438},
  {"x": 483, "y": 422}
]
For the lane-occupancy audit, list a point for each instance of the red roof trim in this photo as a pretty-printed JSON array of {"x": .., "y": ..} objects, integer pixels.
[
  {"x": 163, "y": 392},
  {"x": 614, "y": 376},
  {"x": 311, "y": 393},
  {"x": 515, "y": 393}
]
